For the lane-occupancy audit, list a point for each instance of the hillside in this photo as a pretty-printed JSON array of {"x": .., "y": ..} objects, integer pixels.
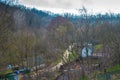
[
  {"x": 37, "y": 44},
  {"x": 22, "y": 16}
]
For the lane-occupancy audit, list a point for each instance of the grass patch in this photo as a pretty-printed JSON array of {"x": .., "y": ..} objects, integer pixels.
[
  {"x": 5, "y": 72},
  {"x": 97, "y": 47},
  {"x": 73, "y": 56},
  {"x": 110, "y": 71},
  {"x": 114, "y": 68}
]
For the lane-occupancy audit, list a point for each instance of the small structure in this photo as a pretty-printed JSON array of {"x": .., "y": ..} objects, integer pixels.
[{"x": 87, "y": 51}]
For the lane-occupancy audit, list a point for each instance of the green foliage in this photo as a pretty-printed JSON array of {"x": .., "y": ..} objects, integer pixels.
[
  {"x": 98, "y": 47},
  {"x": 6, "y": 72},
  {"x": 110, "y": 71},
  {"x": 114, "y": 68},
  {"x": 73, "y": 56}
]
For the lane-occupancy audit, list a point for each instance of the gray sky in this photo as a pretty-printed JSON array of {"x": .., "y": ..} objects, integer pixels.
[{"x": 61, "y": 6}]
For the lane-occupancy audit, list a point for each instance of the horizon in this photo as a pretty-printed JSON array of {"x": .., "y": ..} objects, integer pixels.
[
  {"x": 92, "y": 7},
  {"x": 66, "y": 6}
]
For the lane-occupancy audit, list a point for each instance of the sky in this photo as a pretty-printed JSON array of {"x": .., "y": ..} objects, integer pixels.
[{"x": 72, "y": 6}]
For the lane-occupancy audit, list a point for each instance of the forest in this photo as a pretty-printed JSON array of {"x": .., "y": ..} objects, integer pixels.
[{"x": 49, "y": 46}]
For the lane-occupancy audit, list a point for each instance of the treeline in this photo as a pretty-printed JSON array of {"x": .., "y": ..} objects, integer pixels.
[{"x": 25, "y": 34}]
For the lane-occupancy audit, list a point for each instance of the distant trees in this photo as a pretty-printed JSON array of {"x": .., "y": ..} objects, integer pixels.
[
  {"x": 25, "y": 41},
  {"x": 5, "y": 35},
  {"x": 10, "y": 2},
  {"x": 19, "y": 45},
  {"x": 108, "y": 35},
  {"x": 60, "y": 34},
  {"x": 102, "y": 32}
]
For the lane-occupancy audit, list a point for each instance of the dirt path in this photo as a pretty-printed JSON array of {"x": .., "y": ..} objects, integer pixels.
[
  {"x": 57, "y": 66},
  {"x": 64, "y": 60}
]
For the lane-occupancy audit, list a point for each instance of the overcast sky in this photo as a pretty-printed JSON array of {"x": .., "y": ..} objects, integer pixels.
[{"x": 60, "y": 6}]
